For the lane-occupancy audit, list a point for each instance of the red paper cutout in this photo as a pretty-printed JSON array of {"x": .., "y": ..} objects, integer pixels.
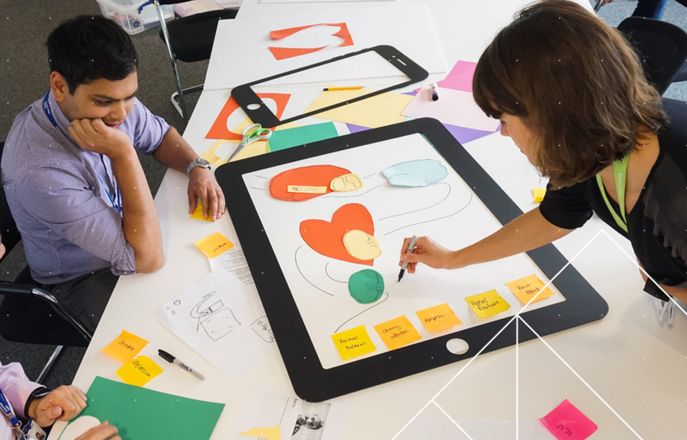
[
  {"x": 281, "y": 53},
  {"x": 219, "y": 129},
  {"x": 314, "y": 175},
  {"x": 326, "y": 238}
]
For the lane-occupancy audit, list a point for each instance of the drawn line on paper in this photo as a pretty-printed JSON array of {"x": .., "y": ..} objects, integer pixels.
[
  {"x": 448, "y": 193},
  {"x": 432, "y": 220},
  {"x": 220, "y": 324},
  {"x": 295, "y": 258},
  {"x": 326, "y": 271},
  {"x": 384, "y": 298}
]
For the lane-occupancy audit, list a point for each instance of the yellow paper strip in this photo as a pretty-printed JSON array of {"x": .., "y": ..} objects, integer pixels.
[
  {"x": 527, "y": 287},
  {"x": 214, "y": 245},
  {"x": 139, "y": 371},
  {"x": 378, "y": 111},
  {"x": 306, "y": 189},
  {"x": 487, "y": 304},
  {"x": 397, "y": 333},
  {"x": 438, "y": 318},
  {"x": 353, "y": 343},
  {"x": 271, "y": 433},
  {"x": 124, "y": 347}
]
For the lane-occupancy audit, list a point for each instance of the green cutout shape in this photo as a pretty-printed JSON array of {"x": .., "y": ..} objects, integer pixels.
[
  {"x": 291, "y": 137},
  {"x": 366, "y": 286}
]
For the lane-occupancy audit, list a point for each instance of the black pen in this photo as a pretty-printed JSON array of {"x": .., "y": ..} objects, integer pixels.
[
  {"x": 172, "y": 360},
  {"x": 411, "y": 248}
]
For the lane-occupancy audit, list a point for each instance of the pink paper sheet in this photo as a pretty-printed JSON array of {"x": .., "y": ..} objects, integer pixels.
[{"x": 566, "y": 422}]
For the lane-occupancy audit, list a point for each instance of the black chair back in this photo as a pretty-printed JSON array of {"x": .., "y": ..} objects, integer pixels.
[{"x": 661, "y": 46}]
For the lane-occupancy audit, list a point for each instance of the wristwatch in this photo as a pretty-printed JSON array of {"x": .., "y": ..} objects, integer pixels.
[{"x": 197, "y": 162}]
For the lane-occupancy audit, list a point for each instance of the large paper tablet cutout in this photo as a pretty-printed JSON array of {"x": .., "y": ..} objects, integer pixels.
[
  {"x": 229, "y": 124},
  {"x": 310, "y": 176},
  {"x": 487, "y": 304},
  {"x": 353, "y": 343},
  {"x": 281, "y": 53},
  {"x": 528, "y": 287},
  {"x": 345, "y": 183},
  {"x": 326, "y": 238},
  {"x": 569, "y": 423},
  {"x": 366, "y": 286},
  {"x": 361, "y": 245},
  {"x": 415, "y": 173}
]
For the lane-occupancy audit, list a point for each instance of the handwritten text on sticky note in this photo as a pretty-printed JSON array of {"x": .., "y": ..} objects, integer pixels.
[
  {"x": 214, "y": 245},
  {"x": 397, "y": 332},
  {"x": 353, "y": 343},
  {"x": 438, "y": 318},
  {"x": 566, "y": 422},
  {"x": 139, "y": 371},
  {"x": 124, "y": 347},
  {"x": 528, "y": 287},
  {"x": 487, "y": 304}
]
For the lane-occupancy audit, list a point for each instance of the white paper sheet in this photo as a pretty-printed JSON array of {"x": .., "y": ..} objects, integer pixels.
[{"x": 240, "y": 53}]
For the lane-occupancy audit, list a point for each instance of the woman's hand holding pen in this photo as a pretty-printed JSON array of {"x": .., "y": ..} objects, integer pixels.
[{"x": 428, "y": 252}]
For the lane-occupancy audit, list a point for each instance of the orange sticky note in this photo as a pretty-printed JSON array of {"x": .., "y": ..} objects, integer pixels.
[
  {"x": 198, "y": 213},
  {"x": 139, "y": 371},
  {"x": 487, "y": 304},
  {"x": 124, "y": 347},
  {"x": 397, "y": 332},
  {"x": 528, "y": 287},
  {"x": 438, "y": 318},
  {"x": 353, "y": 343},
  {"x": 214, "y": 245},
  {"x": 538, "y": 194}
]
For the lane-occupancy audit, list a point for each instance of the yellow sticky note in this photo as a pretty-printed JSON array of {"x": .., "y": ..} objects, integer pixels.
[
  {"x": 353, "y": 343},
  {"x": 538, "y": 194},
  {"x": 526, "y": 288},
  {"x": 378, "y": 111},
  {"x": 124, "y": 347},
  {"x": 198, "y": 213},
  {"x": 487, "y": 304},
  {"x": 214, "y": 245},
  {"x": 438, "y": 318},
  {"x": 305, "y": 189},
  {"x": 397, "y": 332},
  {"x": 271, "y": 433},
  {"x": 139, "y": 371}
]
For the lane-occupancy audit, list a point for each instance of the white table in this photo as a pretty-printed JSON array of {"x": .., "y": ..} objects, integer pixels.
[{"x": 634, "y": 364}]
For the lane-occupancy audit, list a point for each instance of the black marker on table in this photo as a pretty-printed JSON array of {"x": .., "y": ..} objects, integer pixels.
[
  {"x": 173, "y": 360},
  {"x": 434, "y": 92},
  {"x": 411, "y": 248}
]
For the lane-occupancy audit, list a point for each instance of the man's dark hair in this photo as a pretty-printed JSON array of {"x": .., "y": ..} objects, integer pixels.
[{"x": 90, "y": 47}]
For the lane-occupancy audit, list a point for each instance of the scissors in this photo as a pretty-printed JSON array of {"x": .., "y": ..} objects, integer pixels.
[{"x": 251, "y": 134}]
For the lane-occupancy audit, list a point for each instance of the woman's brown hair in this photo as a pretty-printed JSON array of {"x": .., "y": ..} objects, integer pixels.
[{"x": 576, "y": 82}]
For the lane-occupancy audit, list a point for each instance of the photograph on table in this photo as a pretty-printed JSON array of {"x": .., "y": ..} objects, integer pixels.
[{"x": 322, "y": 227}]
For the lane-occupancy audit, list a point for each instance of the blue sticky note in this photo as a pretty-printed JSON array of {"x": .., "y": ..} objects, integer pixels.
[{"x": 415, "y": 173}]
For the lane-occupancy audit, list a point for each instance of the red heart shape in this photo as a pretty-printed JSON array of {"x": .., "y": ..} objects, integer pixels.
[{"x": 326, "y": 238}]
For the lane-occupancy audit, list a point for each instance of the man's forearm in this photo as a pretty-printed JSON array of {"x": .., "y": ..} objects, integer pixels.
[
  {"x": 139, "y": 217},
  {"x": 174, "y": 152}
]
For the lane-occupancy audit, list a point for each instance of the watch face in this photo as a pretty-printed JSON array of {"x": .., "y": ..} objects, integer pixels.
[{"x": 202, "y": 162}]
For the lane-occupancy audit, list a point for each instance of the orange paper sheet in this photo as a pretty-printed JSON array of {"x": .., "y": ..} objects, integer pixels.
[
  {"x": 528, "y": 287},
  {"x": 220, "y": 128},
  {"x": 315, "y": 175},
  {"x": 214, "y": 245},
  {"x": 281, "y": 53}
]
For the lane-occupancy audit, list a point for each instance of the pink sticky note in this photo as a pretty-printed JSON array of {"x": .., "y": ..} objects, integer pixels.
[
  {"x": 460, "y": 77},
  {"x": 566, "y": 422}
]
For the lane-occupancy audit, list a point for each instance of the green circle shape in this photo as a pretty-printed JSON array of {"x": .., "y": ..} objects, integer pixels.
[{"x": 366, "y": 286}]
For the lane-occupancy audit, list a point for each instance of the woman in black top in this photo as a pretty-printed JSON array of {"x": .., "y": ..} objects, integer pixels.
[{"x": 571, "y": 93}]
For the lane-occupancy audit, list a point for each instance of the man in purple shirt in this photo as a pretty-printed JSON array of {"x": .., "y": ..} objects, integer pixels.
[{"x": 71, "y": 173}]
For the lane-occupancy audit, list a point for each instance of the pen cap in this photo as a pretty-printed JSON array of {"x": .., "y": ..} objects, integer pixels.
[{"x": 166, "y": 356}]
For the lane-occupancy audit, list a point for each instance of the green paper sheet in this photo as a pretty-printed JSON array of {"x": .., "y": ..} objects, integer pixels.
[
  {"x": 290, "y": 137},
  {"x": 140, "y": 413}
]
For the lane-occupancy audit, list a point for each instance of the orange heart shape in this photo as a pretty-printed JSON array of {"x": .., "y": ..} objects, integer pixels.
[{"x": 326, "y": 238}]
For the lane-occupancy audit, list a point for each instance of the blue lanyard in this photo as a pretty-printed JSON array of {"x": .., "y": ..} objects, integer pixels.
[
  {"x": 116, "y": 196},
  {"x": 8, "y": 412}
]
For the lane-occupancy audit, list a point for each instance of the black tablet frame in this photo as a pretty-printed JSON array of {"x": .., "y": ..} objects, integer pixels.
[{"x": 310, "y": 380}]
